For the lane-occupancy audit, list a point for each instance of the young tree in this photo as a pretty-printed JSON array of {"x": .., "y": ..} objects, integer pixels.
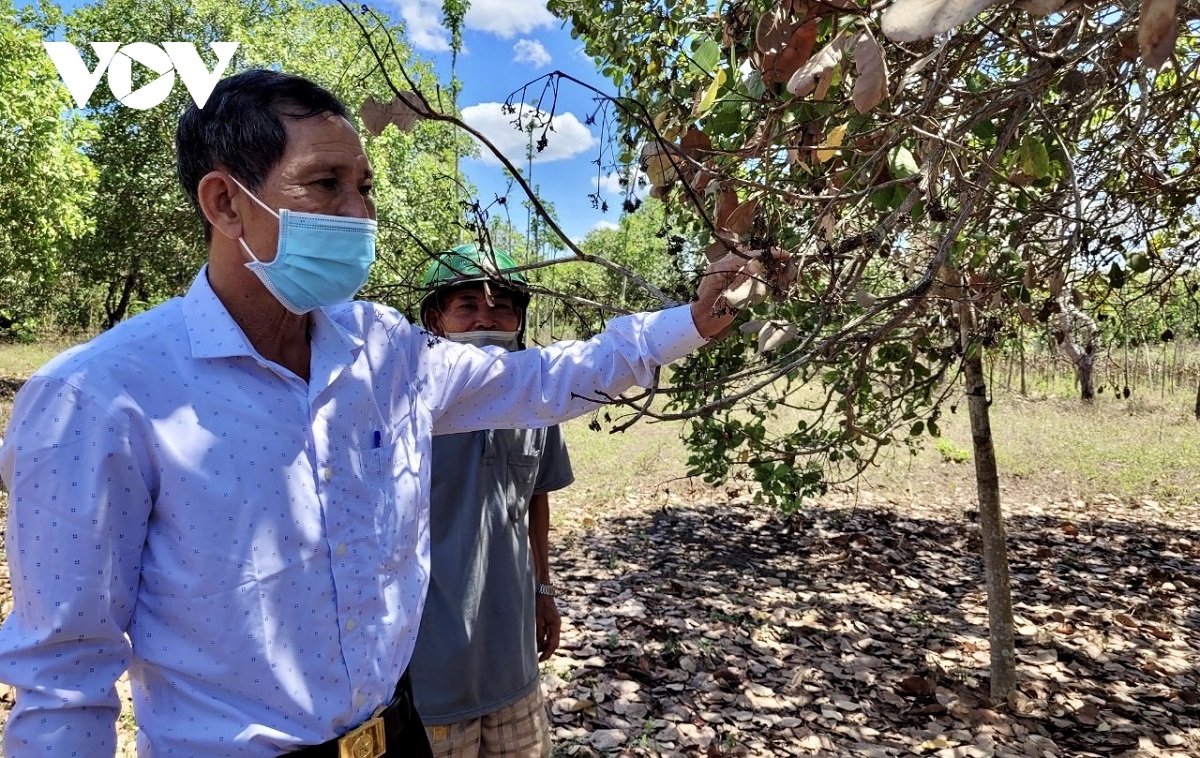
[{"x": 929, "y": 171}]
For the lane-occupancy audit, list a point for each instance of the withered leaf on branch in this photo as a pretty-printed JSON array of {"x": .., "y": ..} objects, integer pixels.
[
  {"x": 742, "y": 217},
  {"x": 807, "y": 76},
  {"x": 773, "y": 334},
  {"x": 374, "y": 116},
  {"x": 695, "y": 147},
  {"x": 719, "y": 249},
  {"x": 660, "y": 164},
  {"x": 832, "y": 143},
  {"x": 751, "y": 290},
  {"x": 1040, "y": 7},
  {"x": 871, "y": 84},
  {"x": 912, "y": 20},
  {"x": 695, "y": 144},
  {"x": 779, "y": 67},
  {"x": 773, "y": 30},
  {"x": 826, "y": 7},
  {"x": 403, "y": 111},
  {"x": 1157, "y": 30},
  {"x": 727, "y": 202}
]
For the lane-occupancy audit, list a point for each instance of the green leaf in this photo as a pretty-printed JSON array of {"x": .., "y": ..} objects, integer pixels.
[
  {"x": 901, "y": 163},
  {"x": 707, "y": 55},
  {"x": 918, "y": 210},
  {"x": 710, "y": 94},
  {"x": 882, "y": 199},
  {"x": 985, "y": 130},
  {"x": 1035, "y": 161},
  {"x": 756, "y": 89}
]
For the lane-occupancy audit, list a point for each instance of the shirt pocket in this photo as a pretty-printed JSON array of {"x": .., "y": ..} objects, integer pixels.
[
  {"x": 522, "y": 472},
  {"x": 391, "y": 479}
]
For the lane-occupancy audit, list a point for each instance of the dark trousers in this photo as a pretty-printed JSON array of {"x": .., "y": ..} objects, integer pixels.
[{"x": 405, "y": 733}]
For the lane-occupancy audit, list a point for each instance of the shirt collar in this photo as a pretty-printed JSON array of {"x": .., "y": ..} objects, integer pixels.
[{"x": 213, "y": 333}]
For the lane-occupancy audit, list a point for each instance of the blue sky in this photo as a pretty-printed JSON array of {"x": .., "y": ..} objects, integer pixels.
[{"x": 510, "y": 43}]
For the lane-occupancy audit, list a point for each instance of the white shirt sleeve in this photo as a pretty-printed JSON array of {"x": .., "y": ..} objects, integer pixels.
[
  {"x": 78, "y": 513},
  {"x": 471, "y": 389}
]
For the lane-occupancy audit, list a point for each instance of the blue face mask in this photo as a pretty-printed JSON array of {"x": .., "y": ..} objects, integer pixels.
[{"x": 320, "y": 259}]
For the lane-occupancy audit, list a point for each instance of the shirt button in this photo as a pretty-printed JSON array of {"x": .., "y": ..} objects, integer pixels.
[
  {"x": 327, "y": 473},
  {"x": 341, "y": 548},
  {"x": 359, "y": 699},
  {"x": 350, "y": 625}
]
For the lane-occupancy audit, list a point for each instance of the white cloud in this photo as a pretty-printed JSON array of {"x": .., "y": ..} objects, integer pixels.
[
  {"x": 532, "y": 52},
  {"x": 423, "y": 22},
  {"x": 508, "y": 18},
  {"x": 503, "y": 18},
  {"x": 603, "y": 225},
  {"x": 568, "y": 139}
]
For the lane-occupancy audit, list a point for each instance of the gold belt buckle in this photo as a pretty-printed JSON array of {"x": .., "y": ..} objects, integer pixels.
[{"x": 368, "y": 740}]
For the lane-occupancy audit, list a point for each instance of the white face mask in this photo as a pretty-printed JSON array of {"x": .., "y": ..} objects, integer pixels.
[{"x": 507, "y": 340}]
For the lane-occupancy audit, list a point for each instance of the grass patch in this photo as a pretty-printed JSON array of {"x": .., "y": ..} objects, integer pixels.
[
  {"x": 20, "y": 360},
  {"x": 1120, "y": 447},
  {"x": 647, "y": 459},
  {"x": 1063, "y": 448},
  {"x": 950, "y": 452}
]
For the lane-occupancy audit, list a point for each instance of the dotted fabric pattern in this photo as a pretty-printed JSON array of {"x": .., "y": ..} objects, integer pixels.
[{"x": 254, "y": 548}]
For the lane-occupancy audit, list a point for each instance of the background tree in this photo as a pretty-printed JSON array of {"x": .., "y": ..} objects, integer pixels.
[
  {"x": 138, "y": 242},
  {"x": 635, "y": 244},
  {"x": 145, "y": 243},
  {"x": 46, "y": 182}
]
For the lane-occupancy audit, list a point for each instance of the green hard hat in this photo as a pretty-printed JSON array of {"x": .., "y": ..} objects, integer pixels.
[{"x": 467, "y": 264}]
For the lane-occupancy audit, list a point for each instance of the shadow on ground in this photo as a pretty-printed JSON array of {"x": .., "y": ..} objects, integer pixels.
[
  {"x": 729, "y": 629},
  {"x": 9, "y": 386}
]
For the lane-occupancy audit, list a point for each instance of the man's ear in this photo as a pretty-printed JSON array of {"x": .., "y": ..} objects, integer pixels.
[
  {"x": 432, "y": 319},
  {"x": 222, "y": 203}
]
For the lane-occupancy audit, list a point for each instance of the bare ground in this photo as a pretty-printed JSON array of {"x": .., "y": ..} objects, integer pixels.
[{"x": 855, "y": 628}]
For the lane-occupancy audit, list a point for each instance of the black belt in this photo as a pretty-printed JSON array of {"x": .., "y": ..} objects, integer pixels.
[{"x": 393, "y": 731}]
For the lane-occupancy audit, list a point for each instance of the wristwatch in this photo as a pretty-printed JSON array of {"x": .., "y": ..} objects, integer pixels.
[{"x": 546, "y": 589}]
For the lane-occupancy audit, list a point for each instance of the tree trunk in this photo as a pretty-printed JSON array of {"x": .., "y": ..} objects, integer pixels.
[
  {"x": 991, "y": 518},
  {"x": 1077, "y": 337},
  {"x": 116, "y": 313},
  {"x": 1126, "y": 388},
  {"x": 1175, "y": 368},
  {"x": 1024, "y": 388},
  {"x": 1197, "y": 408},
  {"x": 1084, "y": 371},
  {"x": 1162, "y": 385}
]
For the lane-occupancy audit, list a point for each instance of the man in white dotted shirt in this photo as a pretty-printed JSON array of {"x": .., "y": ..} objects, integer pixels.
[{"x": 227, "y": 495}]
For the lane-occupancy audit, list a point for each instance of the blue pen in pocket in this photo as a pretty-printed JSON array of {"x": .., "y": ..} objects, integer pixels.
[{"x": 378, "y": 439}]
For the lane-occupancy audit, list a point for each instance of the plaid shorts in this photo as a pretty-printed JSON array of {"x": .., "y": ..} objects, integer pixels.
[{"x": 519, "y": 730}]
